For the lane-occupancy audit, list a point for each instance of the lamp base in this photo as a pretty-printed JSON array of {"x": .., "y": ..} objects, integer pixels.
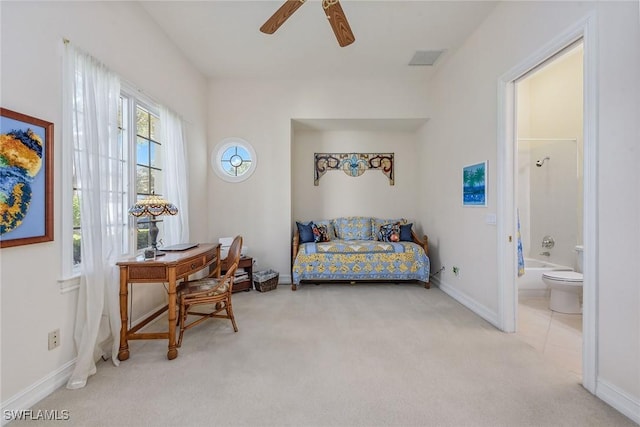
[{"x": 153, "y": 253}]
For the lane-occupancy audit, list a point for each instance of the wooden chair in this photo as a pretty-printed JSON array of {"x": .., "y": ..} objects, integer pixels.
[{"x": 212, "y": 290}]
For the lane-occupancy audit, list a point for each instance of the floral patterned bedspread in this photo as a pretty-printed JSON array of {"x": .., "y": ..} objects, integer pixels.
[{"x": 360, "y": 260}]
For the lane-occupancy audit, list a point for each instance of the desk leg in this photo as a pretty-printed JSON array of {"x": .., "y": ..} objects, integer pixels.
[
  {"x": 123, "y": 353},
  {"x": 173, "y": 350}
]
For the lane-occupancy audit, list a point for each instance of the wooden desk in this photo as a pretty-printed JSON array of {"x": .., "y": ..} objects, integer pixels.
[{"x": 169, "y": 268}]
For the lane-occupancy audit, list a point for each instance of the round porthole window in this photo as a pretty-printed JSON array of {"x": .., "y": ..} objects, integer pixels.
[{"x": 233, "y": 159}]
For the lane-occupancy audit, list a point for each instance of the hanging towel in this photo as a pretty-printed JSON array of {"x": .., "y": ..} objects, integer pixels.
[{"x": 520, "y": 255}]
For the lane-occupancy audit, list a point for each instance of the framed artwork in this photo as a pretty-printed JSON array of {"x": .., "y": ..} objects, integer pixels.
[
  {"x": 474, "y": 185},
  {"x": 26, "y": 179}
]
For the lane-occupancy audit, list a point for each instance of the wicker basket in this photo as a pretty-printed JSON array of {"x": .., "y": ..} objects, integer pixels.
[{"x": 266, "y": 280}]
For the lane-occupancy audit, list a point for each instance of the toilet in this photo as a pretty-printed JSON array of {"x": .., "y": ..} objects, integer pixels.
[{"x": 566, "y": 287}]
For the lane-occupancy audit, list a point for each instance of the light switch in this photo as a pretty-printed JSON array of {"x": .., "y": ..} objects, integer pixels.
[{"x": 491, "y": 219}]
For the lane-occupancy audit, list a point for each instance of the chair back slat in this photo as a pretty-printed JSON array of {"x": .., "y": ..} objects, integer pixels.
[{"x": 234, "y": 250}]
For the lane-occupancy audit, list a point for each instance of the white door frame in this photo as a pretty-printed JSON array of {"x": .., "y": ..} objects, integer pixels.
[{"x": 506, "y": 227}]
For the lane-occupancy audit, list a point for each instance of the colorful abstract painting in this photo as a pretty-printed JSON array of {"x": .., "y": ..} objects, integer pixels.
[{"x": 26, "y": 202}]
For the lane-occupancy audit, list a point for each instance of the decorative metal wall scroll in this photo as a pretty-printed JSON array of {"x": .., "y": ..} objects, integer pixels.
[{"x": 353, "y": 164}]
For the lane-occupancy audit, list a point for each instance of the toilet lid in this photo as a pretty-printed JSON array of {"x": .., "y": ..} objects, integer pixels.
[{"x": 564, "y": 276}]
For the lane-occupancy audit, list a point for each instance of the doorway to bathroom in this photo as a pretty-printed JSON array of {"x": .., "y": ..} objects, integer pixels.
[
  {"x": 581, "y": 35},
  {"x": 548, "y": 155}
]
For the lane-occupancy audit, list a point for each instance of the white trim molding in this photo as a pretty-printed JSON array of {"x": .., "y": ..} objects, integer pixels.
[
  {"x": 42, "y": 388},
  {"x": 37, "y": 391},
  {"x": 220, "y": 149},
  {"x": 69, "y": 284},
  {"x": 584, "y": 30},
  {"x": 623, "y": 402},
  {"x": 285, "y": 279},
  {"x": 464, "y": 299}
]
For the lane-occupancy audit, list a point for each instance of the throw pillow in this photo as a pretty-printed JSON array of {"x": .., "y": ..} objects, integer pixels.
[
  {"x": 353, "y": 228},
  {"x": 405, "y": 233},
  {"x": 320, "y": 233},
  {"x": 329, "y": 225},
  {"x": 306, "y": 232},
  {"x": 389, "y": 233},
  {"x": 377, "y": 222}
]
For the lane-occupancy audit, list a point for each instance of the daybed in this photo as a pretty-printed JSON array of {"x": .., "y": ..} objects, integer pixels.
[{"x": 358, "y": 249}]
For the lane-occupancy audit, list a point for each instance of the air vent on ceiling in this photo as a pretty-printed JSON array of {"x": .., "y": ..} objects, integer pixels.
[{"x": 425, "y": 57}]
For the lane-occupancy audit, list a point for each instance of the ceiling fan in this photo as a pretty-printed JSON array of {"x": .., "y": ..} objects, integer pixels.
[{"x": 332, "y": 9}]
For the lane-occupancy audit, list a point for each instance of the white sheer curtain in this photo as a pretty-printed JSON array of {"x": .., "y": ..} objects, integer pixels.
[
  {"x": 176, "y": 228},
  {"x": 91, "y": 94}
]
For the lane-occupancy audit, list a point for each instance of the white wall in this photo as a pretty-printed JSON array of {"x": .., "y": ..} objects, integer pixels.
[
  {"x": 121, "y": 35},
  {"x": 464, "y": 91},
  {"x": 261, "y": 112},
  {"x": 338, "y": 194}
]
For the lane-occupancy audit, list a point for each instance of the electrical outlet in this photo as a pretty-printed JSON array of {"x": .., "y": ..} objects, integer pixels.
[
  {"x": 455, "y": 270},
  {"x": 54, "y": 339}
]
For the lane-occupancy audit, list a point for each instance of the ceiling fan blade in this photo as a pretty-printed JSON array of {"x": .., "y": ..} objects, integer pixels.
[
  {"x": 281, "y": 15},
  {"x": 338, "y": 22}
]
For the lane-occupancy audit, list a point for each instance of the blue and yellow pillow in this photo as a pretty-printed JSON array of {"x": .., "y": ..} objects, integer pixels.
[{"x": 353, "y": 228}]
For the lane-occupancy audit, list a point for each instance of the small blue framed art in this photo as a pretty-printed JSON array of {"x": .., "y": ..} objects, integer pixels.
[{"x": 474, "y": 185}]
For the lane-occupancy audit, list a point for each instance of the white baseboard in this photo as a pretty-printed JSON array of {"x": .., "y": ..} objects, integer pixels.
[
  {"x": 38, "y": 391},
  {"x": 467, "y": 301},
  {"x": 619, "y": 400},
  {"x": 284, "y": 279},
  {"x": 612, "y": 395},
  {"x": 33, "y": 394}
]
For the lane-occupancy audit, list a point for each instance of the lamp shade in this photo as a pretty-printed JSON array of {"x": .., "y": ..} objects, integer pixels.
[{"x": 153, "y": 205}]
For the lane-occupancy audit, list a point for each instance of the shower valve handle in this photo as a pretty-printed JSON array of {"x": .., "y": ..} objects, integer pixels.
[{"x": 548, "y": 242}]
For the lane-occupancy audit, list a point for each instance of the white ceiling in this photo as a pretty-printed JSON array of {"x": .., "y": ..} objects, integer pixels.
[{"x": 222, "y": 38}]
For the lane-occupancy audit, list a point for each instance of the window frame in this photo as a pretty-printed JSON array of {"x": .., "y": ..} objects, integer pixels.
[
  {"x": 132, "y": 98},
  {"x": 221, "y": 148}
]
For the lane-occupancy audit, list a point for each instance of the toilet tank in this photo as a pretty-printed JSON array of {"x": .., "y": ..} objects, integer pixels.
[{"x": 579, "y": 250}]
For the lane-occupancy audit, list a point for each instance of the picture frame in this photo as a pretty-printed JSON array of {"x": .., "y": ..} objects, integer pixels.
[
  {"x": 474, "y": 185},
  {"x": 26, "y": 179}
]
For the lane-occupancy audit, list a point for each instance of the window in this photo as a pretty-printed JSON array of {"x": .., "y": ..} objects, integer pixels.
[
  {"x": 148, "y": 168},
  {"x": 138, "y": 135},
  {"x": 233, "y": 159}
]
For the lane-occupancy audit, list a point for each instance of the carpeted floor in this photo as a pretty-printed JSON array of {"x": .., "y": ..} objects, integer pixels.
[{"x": 336, "y": 355}]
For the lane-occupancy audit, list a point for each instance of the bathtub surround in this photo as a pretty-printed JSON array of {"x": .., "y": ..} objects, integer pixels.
[{"x": 550, "y": 200}]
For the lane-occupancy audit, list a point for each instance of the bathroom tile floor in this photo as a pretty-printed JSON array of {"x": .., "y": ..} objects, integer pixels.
[{"x": 557, "y": 336}]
